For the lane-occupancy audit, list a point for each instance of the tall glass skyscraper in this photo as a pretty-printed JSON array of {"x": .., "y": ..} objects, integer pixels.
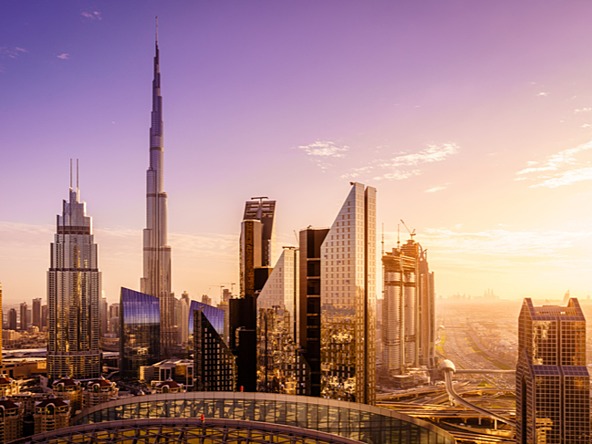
[
  {"x": 348, "y": 300},
  {"x": 73, "y": 289},
  {"x": 552, "y": 380},
  {"x": 157, "y": 254},
  {"x": 139, "y": 338}
]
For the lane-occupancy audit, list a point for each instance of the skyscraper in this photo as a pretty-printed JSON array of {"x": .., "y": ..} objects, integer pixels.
[
  {"x": 73, "y": 289},
  {"x": 37, "y": 312},
  {"x": 256, "y": 241},
  {"x": 281, "y": 366},
  {"x": 157, "y": 254},
  {"x": 408, "y": 321},
  {"x": 309, "y": 314},
  {"x": 139, "y": 327},
  {"x": 552, "y": 380},
  {"x": 255, "y": 256},
  {"x": 348, "y": 299},
  {"x": 23, "y": 313},
  {"x": 12, "y": 319}
]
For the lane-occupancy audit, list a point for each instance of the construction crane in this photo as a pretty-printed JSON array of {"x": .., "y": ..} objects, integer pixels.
[{"x": 411, "y": 233}]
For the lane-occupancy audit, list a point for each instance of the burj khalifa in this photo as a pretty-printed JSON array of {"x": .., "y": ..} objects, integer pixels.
[{"x": 157, "y": 254}]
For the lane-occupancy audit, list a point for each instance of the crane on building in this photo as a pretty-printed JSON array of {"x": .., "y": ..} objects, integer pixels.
[{"x": 411, "y": 233}]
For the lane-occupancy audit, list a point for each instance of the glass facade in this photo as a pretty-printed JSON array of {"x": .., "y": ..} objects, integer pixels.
[
  {"x": 552, "y": 380},
  {"x": 348, "y": 300},
  {"x": 280, "y": 364},
  {"x": 73, "y": 288},
  {"x": 188, "y": 430},
  {"x": 214, "y": 315},
  {"x": 214, "y": 365},
  {"x": 140, "y": 331},
  {"x": 349, "y": 420}
]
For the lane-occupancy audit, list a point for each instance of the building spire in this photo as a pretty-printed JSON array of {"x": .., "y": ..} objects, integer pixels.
[{"x": 156, "y": 32}]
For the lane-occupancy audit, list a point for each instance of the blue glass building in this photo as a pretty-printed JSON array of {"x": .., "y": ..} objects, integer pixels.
[
  {"x": 140, "y": 331},
  {"x": 214, "y": 315}
]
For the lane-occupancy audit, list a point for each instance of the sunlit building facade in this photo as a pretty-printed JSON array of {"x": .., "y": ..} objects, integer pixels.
[
  {"x": 51, "y": 414},
  {"x": 139, "y": 343},
  {"x": 11, "y": 420},
  {"x": 281, "y": 367},
  {"x": 73, "y": 289},
  {"x": 256, "y": 241},
  {"x": 408, "y": 319},
  {"x": 552, "y": 380},
  {"x": 348, "y": 299}
]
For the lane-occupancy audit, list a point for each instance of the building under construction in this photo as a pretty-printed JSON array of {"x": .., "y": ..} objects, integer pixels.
[{"x": 408, "y": 319}]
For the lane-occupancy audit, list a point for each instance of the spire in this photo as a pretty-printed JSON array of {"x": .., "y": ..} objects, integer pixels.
[{"x": 156, "y": 127}]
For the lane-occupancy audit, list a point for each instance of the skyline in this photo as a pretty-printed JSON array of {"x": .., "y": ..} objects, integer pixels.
[{"x": 481, "y": 139}]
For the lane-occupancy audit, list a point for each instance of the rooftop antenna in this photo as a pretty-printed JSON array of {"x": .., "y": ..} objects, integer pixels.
[
  {"x": 77, "y": 176},
  {"x": 70, "y": 173},
  {"x": 382, "y": 242},
  {"x": 156, "y": 31}
]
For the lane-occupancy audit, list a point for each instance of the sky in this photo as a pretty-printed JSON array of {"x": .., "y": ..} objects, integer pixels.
[{"x": 472, "y": 119}]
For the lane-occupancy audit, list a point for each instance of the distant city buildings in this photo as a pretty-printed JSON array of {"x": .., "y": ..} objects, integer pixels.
[
  {"x": 23, "y": 308},
  {"x": 37, "y": 312},
  {"x": 12, "y": 319},
  {"x": 552, "y": 380},
  {"x": 408, "y": 319},
  {"x": 74, "y": 285}
]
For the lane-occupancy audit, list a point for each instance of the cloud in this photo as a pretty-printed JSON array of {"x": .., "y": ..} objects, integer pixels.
[
  {"x": 436, "y": 188},
  {"x": 12, "y": 53},
  {"x": 324, "y": 148},
  {"x": 323, "y": 151},
  {"x": 92, "y": 15},
  {"x": 563, "y": 168},
  {"x": 63, "y": 56},
  {"x": 582, "y": 110},
  {"x": 543, "y": 94},
  {"x": 405, "y": 165}
]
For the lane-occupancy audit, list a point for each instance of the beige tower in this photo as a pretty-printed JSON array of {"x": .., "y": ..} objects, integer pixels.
[{"x": 348, "y": 300}]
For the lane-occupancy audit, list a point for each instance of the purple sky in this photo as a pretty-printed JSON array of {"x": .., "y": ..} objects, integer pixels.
[{"x": 472, "y": 119}]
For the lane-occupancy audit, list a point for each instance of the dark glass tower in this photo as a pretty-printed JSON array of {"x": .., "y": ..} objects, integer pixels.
[
  {"x": 552, "y": 380},
  {"x": 214, "y": 366},
  {"x": 310, "y": 303},
  {"x": 139, "y": 340}
]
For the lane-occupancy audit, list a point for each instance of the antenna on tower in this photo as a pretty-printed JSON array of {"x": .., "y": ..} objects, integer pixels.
[
  {"x": 77, "y": 176},
  {"x": 156, "y": 30},
  {"x": 382, "y": 242},
  {"x": 70, "y": 173}
]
